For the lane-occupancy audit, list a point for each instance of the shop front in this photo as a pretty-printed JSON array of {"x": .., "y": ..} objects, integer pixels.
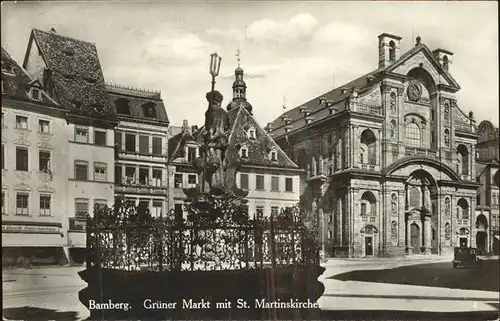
[{"x": 25, "y": 244}]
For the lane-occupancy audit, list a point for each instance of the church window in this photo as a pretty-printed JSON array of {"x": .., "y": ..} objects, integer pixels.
[
  {"x": 463, "y": 159},
  {"x": 392, "y": 51},
  {"x": 368, "y": 147},
  {"x": 463, "y": 209},
  {"x": 412, "y": 135}
]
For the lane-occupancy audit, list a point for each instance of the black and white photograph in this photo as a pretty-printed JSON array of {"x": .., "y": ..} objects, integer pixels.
[{"x": 250, "y": 160}]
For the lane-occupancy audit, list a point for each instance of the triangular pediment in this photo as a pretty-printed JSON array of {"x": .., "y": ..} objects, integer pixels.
[{"x": 421, "y": 56}]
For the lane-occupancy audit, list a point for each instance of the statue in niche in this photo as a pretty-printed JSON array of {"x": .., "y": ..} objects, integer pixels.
[
  {"x": 447, "y": 206},
  {"x": 393, "y": 102},
  {"x": 394, "y": 204},
  {"x": 394, "y": 230},
  {"x": 447, "y": 231},
  {"x": 393, "y": 129}
]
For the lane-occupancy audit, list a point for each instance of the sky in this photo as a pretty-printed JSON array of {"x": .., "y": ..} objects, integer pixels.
[{"x": 291, "y": 52}]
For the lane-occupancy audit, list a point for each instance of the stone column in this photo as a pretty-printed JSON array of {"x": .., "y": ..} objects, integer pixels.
[
  {"x": 427, "y": 235},
  {"x": 313, "y": 160},
  {"x": 322, "y": 228},
  {"x": 355, "y": 146},
  {"x": 401, "y": 218},
  {"x": 408, "y": 236},
  {"x": 321, "y": 169},
  {"x": 350, "y": 221}
]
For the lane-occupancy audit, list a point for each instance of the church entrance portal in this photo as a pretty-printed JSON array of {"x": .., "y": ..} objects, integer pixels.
[{"x": 415, "y": 238}]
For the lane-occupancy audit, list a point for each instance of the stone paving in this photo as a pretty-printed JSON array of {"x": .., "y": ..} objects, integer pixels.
[{"x": 54, "y": 292}]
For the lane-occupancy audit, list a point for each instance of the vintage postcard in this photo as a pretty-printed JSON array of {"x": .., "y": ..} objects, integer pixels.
[{"x": 250, "y": 160}]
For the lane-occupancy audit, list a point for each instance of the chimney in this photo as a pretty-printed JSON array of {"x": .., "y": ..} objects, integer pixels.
[
  {"x": 388, "y": 49},
  {"x": 443, "y": 57},
  {"x": 185, "y": 125}
]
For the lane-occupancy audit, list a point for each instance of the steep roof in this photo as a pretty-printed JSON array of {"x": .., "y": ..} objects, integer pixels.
[
  {"x": 319, "y": 111},
  {"x": 76, "y": 74},
  {"x": 258, "y": 149},
  {"x": 138, "y": 101},
  {"x": 177, "y": 142},
  {"x": 16, "y": 82}
]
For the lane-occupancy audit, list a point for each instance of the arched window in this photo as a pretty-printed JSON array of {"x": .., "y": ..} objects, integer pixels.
[
  {"x": 368, "y": 204},
  {"x": 463, "y": 156},
  {"x": 412, "y": 135},
  {"x": 415, "y": 196},
  {"x": 445, "y": 63},
  {"x": 392, "y": 51},
  {"x": 463, "y": 209},
  {"x": 368, "y": 140},
  {"x": 447, "y": 137}
]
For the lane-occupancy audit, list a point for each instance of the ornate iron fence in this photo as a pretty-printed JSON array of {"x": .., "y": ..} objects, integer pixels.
[{"x": 128, "y": 238}]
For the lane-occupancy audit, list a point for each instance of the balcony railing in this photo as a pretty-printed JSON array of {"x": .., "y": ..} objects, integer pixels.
[{"x": 363, "y": 108}]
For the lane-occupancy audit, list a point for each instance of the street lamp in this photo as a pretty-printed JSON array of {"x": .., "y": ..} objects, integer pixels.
[{"x": 215, "y": 61}]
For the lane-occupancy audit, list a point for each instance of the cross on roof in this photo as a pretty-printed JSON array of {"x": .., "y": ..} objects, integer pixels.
[{"x": 238, "y": 55}]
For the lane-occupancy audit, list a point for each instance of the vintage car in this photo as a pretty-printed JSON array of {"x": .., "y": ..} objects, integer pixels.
[{"x": 465, "y": 256}]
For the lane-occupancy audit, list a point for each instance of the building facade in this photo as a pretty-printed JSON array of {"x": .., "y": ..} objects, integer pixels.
[
  {"x": 271, "y": 178},
  {"x": 488, "y": 197},
  {"x": 141, "y": 148},
  {"x": 389, "y": 157},
  {"x": 72, "y": 137}
]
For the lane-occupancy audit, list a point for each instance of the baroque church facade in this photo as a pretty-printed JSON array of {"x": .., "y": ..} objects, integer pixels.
[{"x": 389, "y": 158}]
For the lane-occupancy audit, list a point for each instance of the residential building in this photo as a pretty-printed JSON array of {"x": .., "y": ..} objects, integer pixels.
[
  {"x": 34, "y": 169},
  {"x": 141, "y": 140},
  {"x": 266, "y": 172},
  {"x": 389, "y": 157},
  {"x": 79, "y": 145}
]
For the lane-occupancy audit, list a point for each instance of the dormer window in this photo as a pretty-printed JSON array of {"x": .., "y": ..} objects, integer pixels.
[
  {"x": 244, "y": 152},
  {"x": 308, "y": 113},
  {"x": 191, "y": 153},
  {"x": 273, "y": 155},
  {"x": 308, "y": 121},
  {"x": 149, "y": 110},
  {"x": 251, "y": 133},
  {"x": 332, "y": 111},
  {"x": 7, "y": 68},
  {"x": 122, "y": 106},
  {"x": 35, "y": 94}
]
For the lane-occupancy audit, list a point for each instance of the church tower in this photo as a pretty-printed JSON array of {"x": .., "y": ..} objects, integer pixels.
[{"x": 239, "y": 89}]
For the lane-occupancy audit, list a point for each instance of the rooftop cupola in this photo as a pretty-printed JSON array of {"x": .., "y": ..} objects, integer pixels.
[{"x": 239, "y": 89}]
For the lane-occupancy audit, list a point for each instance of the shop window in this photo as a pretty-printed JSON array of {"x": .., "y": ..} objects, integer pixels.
[
  {"x": 157, "y": 208},
  {"x": 259, "y": 210},
  {"x": 192, "y": 180}
]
